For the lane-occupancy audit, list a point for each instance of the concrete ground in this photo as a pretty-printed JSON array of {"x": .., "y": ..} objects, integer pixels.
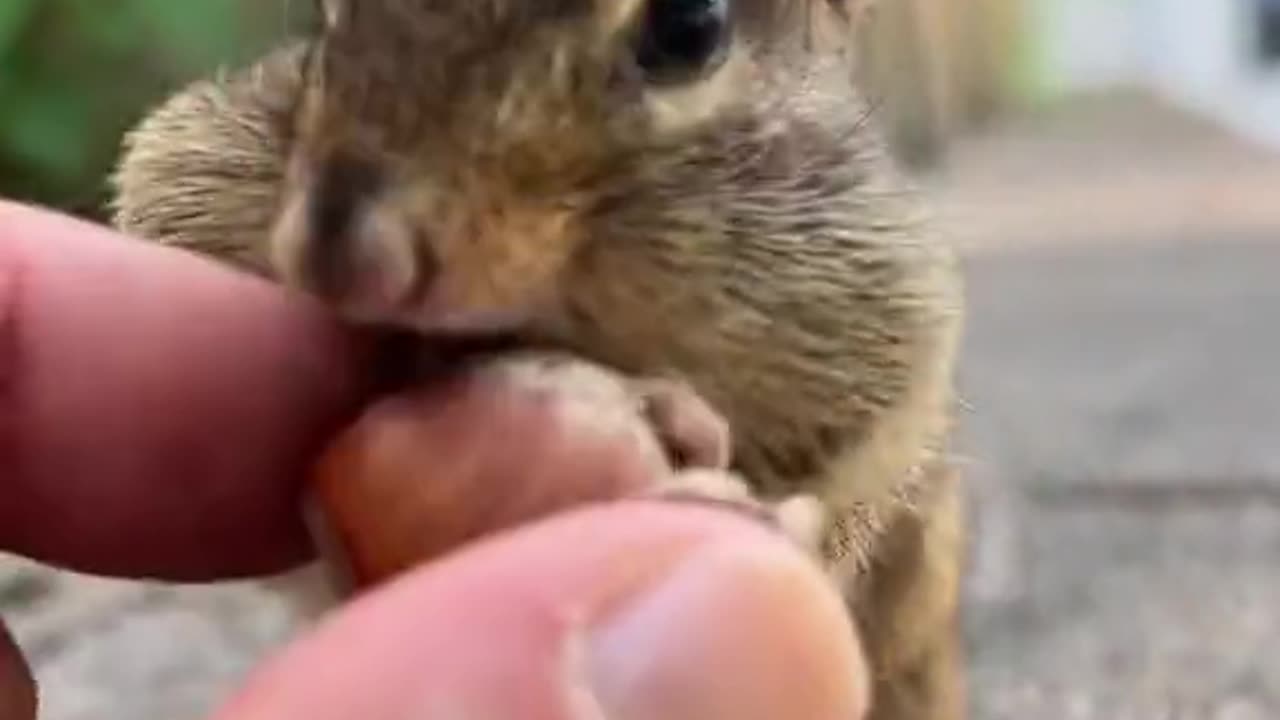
[
  {"x": 1121, "y": 369},
  {"x": 1123, "y": 438}
]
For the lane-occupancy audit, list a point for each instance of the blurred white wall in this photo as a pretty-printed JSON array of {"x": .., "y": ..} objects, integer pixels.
[
  {"x": 1084, "y": 44},
  {"x": 1198, "y": 53}
]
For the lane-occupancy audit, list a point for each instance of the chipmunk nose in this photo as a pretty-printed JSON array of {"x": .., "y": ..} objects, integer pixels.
[{"x": 357, "y": 253}]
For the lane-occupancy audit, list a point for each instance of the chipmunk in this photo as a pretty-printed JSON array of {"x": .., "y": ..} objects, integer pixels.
[{"x": 687, "y": 189}]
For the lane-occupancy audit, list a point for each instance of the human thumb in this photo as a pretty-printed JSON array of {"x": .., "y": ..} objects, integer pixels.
[{"x": 624, "y": 612}]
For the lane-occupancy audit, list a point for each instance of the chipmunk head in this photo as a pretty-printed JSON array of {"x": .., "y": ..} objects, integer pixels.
[{"x": 451, "y": 159}]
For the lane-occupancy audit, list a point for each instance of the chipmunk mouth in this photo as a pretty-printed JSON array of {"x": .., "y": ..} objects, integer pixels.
[
  {"x": 406, "y": 358},
  {"x": 424, "y": 333},
  {"x": 420, "y": 347},
  {"x": 464, "y": 324},
  {"x": 427, "y": 312}
]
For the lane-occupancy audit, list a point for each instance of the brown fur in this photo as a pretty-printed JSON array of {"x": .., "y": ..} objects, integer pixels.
[{"x": 746, "y": 232}]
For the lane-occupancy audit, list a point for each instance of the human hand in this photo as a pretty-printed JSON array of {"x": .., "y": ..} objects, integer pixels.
[{"x": 157, "y": 414}]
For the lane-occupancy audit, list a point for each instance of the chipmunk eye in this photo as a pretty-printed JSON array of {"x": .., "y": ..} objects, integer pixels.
[{"x": 682, "y": 38}]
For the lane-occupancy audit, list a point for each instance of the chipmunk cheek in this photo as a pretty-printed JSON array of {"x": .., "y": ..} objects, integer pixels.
[{"x": 499, "y": 263}]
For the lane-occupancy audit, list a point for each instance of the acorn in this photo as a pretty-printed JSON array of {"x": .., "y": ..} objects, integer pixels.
[{"x": 492, "y": 445}]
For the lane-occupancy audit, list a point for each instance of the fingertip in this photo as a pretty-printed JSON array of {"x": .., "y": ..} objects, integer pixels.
[
  {"x": 743, "y": 628},
  {"x": 157, "y": 410},
  {"x": 635, "y": 611}
]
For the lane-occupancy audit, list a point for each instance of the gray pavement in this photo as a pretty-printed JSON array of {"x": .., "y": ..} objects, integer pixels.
[
  {"x": 1121, "y": 368},
  {"x": 1127, "y": 403},
  {"x": 1121, "y": 372}
]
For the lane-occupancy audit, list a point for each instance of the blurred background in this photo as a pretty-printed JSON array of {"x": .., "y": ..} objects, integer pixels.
[{"x": 1108, "y": 168}]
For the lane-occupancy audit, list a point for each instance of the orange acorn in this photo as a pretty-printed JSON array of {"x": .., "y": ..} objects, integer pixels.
[{"x": 497, "y": 444}]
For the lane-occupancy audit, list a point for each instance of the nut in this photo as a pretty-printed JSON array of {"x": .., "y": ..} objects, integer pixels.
[{"x": 494, "y": 445}]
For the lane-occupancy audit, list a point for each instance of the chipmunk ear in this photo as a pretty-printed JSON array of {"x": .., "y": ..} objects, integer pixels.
[
  {"x": 833, "y": 23},
  {"x": 332, "y": 12},
  {"x": 853, "y": 10}
]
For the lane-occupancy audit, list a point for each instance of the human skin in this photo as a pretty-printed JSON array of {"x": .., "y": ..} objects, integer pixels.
[{"x": 124, "y": 366}]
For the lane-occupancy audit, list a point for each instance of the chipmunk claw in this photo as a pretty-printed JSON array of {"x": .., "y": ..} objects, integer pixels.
[
  {"x": 692, "y": 432},
  {"x": 800, "y": 518},
  {"x": 699, "y": 445}
]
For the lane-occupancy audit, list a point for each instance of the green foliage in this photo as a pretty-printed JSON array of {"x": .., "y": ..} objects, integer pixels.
[{"x": 76, "y": 74}]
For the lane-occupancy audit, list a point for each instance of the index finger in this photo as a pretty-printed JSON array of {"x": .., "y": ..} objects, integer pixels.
[{"x": 156, "y": 410}]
